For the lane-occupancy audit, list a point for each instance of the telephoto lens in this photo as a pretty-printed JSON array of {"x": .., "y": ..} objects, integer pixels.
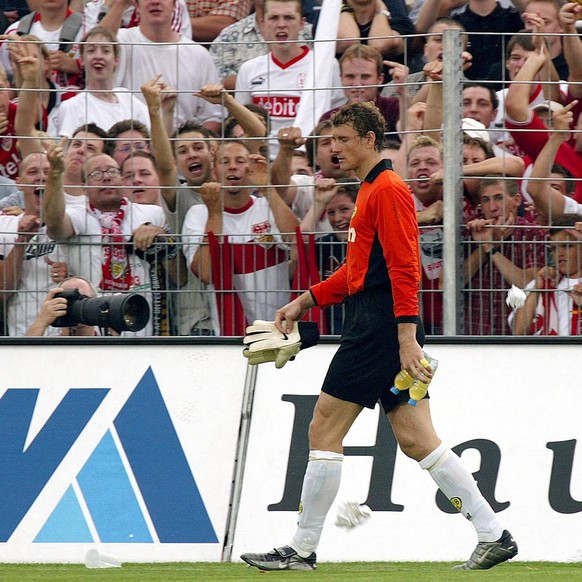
[{"x": 121, "y": 312}]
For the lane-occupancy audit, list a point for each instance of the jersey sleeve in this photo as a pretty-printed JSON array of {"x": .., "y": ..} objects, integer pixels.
[
  {"x": 333, "y": 290},
  {"x": 397, "y": 228}
]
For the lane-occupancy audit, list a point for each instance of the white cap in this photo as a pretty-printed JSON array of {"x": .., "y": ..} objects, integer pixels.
[{"x": 474, "y": 128}]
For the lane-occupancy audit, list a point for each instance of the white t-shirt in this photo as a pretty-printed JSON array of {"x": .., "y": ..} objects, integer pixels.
[
  {"x": 266, "y": 82},
  {"x": 84, "y": 253},
  {"x": 180, "y": 17},
  {"x": 253, "y": 230},
  {"x": 35, "y": 282},
  {"x": 186, "y": 66},
  {"x": 559, "y": 321},
  {"x": 86, "y": 107}
]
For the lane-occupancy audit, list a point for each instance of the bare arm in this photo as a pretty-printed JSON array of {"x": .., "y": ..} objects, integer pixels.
[
  {"x": 289, "y": 139},
  {"x": 549, "y": 201},
  {"x": 508, "y": 165},
  {"x": 285, "y": 220},
  {"x": 325, "y": 190},
  {"x": 517, "y": 98},
  {"x": 572, "y": 46},
  {"x": 250, "y": 123},
  {"x": 52, "y": 308},
  {"x": 211, "y": 195},
  {"x": 112, "y": 20},
  {"x": 162, "y": 150},
  {"x": 27, "y": 58},
  {"x": 433, "y": 116},
  {"x": 58, "y": 222},
  {"x": 389, "y": 42}
]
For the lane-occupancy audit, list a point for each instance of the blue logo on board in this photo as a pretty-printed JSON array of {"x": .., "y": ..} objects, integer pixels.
[{"x": 136, "y": 486}]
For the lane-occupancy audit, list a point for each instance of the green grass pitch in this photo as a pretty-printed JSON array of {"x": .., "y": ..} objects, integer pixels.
[{"x": 328, "y": 572}]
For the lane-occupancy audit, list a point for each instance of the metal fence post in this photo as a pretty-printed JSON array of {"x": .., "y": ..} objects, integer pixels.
[{"x": 453, "y": 312}]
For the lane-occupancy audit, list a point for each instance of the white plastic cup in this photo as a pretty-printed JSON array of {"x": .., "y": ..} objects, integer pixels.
[{"x": 98, "y": 559}]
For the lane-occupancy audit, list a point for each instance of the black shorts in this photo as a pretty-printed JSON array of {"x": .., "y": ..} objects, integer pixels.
[{"x": 368, "y": 359}]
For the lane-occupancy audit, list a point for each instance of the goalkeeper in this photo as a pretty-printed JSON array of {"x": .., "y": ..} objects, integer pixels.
[{"x": 382, "y": 333}]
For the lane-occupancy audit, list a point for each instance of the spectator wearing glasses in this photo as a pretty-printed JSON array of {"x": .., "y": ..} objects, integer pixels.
[{"x": 108, "y": 236}]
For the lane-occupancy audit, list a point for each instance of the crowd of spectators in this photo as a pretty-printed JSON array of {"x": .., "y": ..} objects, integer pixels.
[{"x": 183, "y": 150}]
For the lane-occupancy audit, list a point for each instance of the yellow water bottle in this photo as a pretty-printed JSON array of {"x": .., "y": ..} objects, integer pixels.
[
  {"x": 403, "y": 380},
  {"x": 418, "y": 389}
]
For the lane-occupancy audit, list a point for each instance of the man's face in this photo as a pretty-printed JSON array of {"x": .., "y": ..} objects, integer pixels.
[
  {"x": 558, "y": 182},
  {"x": 347, "y": 146},
  {"x": 422, "y": 163},
  {"x": 433, "y": 48},
  {"x": 567, "y": 253},
  {"x": 325, "y": 159},
  {"x": 496, "y": 204},
  {"x": 141, "y": 179},
  {"x": 82, "y": 146},
  {"x": 282, "y": 21},
  {"x": 339, "y": 211},
  {"x": 300, "y": 165},
  {"x": 104, "y": 191},
  {"x": 517, "y": 57},
  {"x": 472, "y": 154},
  {"x": 232, "y": 168},
  {"x": 128, "y": 142},
  {"x": 194, "y": 158},
  {"x": 155, "y": 12},
  {"x": 477, "y": 105},
  {"x": 99, "y": 60},
  {"x": 32, "y": 176},
  {"x": 359, "y": 77}
]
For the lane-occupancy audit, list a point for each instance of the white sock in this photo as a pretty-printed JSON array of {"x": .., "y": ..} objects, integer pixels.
[
  {"x": 320, "y": 486},
  {"x": 458, "y": 485}
]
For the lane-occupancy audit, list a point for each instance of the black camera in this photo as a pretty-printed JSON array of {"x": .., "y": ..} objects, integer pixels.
[{"x": 129, "y": 312}]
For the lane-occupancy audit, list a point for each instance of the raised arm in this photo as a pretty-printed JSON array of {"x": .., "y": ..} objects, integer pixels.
[
  {"x": 252, "y": 126},
  {"x": 112, "y": 20},
  {"x": 58, "y": 222},
  {"x": 572, "y": 46},
  {"x": 211, "y": 193},
  {"x": 289, "y": 140},
  {"x": 161, "y": 147},
  {"x": 325, "y": 190},
  {"x": 549, "y": 201},
  {"x": 285, "y": 220},
  {"x": 517, "y": 98},
  {"x": 433, "y": 116},
  {"x": 27, "y": 59}
]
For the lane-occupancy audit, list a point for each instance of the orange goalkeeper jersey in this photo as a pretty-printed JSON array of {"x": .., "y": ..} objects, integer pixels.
[{"x": 382, "y": 248}]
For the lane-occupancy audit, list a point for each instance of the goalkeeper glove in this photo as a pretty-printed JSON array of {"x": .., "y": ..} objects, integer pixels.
[{"x": 265, "y": 343}]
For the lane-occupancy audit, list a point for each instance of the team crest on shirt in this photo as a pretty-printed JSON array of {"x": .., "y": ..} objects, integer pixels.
[
  {"x": 354, "y": 212},
  {"x": 263, "y": 234}
]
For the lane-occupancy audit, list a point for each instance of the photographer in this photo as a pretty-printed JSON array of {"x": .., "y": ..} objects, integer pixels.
[{"x": 55, "y": 307}]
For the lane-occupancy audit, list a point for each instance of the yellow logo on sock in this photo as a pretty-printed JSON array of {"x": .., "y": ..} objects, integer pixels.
[
  {"x": 457, "y": 503},
  {"x": 300, "y": 507}
]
